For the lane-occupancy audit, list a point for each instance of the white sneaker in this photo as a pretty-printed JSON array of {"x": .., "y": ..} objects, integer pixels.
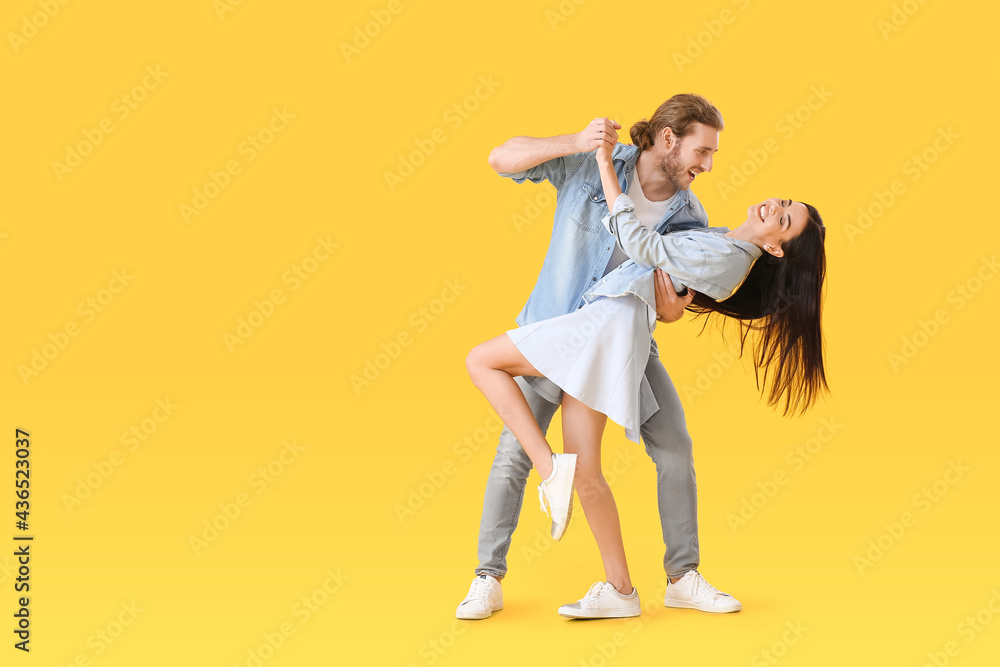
[
  {"x": 485, "y": 597},
  {"x": 692, "y": 592},
  {"x": 603, "y": 601},
  {"x": 555, "y": 494}
]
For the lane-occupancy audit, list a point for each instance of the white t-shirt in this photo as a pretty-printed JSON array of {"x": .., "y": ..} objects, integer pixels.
[{"x": 649, "y": 213}]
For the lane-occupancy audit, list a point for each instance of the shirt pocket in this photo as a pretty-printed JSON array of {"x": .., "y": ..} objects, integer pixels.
[{"x": 588, "y": 207}]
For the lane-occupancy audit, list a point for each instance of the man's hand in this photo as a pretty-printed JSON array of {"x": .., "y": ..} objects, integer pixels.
[
  {"x": 600, "y": 134},
  {"x": 669, "y": 306}
]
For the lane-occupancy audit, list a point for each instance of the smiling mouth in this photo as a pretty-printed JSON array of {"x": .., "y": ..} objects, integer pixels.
[
  {"x": 760, "y": 212},
  {"x": 691, "y": 174}
]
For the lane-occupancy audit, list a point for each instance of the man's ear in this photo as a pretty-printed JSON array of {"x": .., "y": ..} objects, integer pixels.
[
  {"x": 669, "y": 139},
  {"x": 774, "y": 250}
]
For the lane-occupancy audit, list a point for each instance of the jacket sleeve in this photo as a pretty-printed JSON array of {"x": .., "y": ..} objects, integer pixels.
[
  {"x": 680, "y": 255},
  {"x": 555, "y": 171}
]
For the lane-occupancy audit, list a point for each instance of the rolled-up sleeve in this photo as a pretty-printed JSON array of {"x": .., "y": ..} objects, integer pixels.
[{"x": 555, "y": 171}]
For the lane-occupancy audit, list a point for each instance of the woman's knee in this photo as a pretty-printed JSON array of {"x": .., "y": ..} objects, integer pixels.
[{"x": 475, "y": 361}]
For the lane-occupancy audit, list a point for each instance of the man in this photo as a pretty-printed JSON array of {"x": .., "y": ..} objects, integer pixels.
[{"x": 671, "y": 149}]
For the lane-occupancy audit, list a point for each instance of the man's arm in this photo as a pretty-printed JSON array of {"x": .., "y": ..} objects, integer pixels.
[{"x": 522, "y": 153}]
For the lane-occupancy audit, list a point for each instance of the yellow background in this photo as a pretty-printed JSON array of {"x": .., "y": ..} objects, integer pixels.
[{"x": 331, "y": 516}]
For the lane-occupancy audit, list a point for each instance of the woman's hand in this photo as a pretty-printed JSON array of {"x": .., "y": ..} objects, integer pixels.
[{"x": 601, "y": 134}]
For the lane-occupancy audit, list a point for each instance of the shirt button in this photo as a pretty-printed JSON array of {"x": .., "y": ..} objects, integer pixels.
[
  {"x": 593, "y": 280},
  {"x": 608, "y": 248},
  {"x": 595, "y": 197}
]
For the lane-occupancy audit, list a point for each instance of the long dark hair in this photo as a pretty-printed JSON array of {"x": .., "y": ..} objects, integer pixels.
[{"x": 781, "y": 300}]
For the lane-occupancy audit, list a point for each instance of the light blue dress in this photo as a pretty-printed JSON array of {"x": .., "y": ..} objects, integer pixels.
[{"x": 598, "y": 353}]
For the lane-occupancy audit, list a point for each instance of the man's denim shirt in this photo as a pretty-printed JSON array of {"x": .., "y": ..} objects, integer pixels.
[{"x": 581, "y": 245}]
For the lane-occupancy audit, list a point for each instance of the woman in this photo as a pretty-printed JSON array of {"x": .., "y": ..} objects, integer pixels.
[{"x": 767, "y": 273}]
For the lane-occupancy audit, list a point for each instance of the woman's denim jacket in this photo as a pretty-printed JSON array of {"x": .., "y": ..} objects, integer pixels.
[
  {"x": 706, "y": 260},
  {"x": 581, "y": 245}
]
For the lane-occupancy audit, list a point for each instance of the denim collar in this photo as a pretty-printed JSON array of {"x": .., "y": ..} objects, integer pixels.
[
  {"x": 626, "y": 156},
  {"x": 750, "y": 248}
]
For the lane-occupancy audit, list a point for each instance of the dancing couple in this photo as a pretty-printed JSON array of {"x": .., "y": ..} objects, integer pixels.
[{"x": 631, "y": 246}]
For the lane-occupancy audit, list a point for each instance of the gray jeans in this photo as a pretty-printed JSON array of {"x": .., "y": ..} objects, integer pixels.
[{"x": 667, "y": 443}]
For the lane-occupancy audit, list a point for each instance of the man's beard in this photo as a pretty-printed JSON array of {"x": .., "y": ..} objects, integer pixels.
[{"x": 671, "y": 168}]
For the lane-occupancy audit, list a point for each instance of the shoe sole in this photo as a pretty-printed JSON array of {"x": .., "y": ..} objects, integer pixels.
[
  {"x": 598, "y": 613},
  {"x": 555, "y": 532},
  {"x": 678, "y": 604},
  {"x": 477, "y": 617}
]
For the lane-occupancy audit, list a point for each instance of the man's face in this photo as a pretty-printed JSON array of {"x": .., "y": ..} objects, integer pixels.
[{"x": 690, "y": 155}]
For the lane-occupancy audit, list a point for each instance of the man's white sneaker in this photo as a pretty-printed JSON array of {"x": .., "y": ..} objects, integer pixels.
[
  {"x": 485, "y": 597},
  {"x": 692, "y": 592},
  {"x": 555, "y": 494},
  {"x": 603, "y": 601}
]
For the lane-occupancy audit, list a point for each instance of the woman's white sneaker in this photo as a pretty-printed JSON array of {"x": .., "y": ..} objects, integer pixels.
[
  {"x": 692, "y": 592},
  {"x": 555, "y": 494},
  {"x": 603, "y": 601},
  {"x": 485, "y": 597}
]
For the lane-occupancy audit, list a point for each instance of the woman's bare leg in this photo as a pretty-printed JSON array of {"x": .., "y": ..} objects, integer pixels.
[
  {"x": 492, "y": 366},
  {"x": 583, "y": 428}
]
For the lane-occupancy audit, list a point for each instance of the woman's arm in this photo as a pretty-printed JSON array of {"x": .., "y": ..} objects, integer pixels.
[
  {"x": 609, "y": 179},
  {"x": 680, "y": 255},
  {"x": 677, "y": 255}
]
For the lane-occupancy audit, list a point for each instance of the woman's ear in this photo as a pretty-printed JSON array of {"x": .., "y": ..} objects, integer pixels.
[{"x": 774, "y": 250}]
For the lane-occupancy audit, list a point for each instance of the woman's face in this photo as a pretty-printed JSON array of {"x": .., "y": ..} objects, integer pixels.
[{"x": 776, "y": 221}]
